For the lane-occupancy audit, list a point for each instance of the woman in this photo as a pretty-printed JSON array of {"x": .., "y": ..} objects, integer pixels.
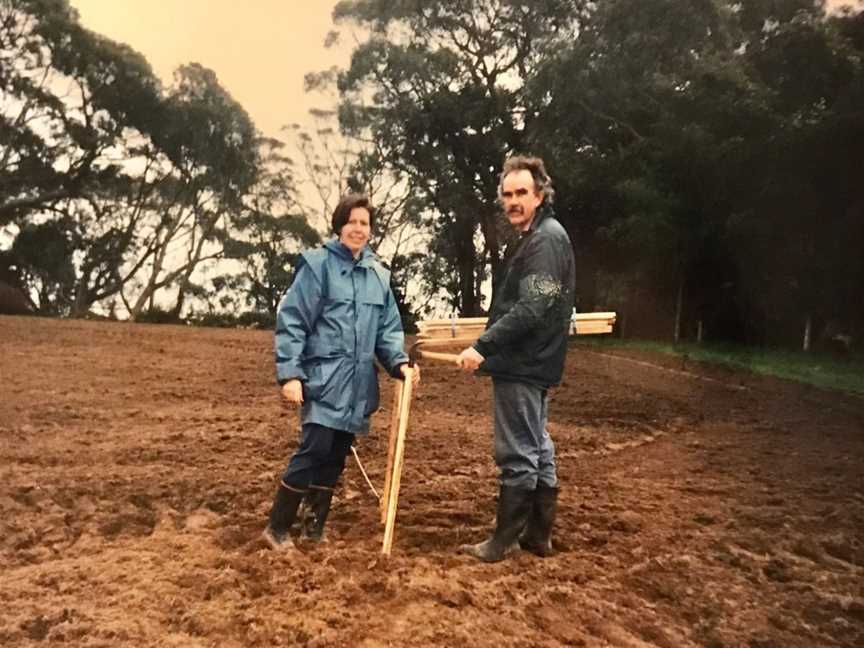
[{"x": 337, "y": 317}]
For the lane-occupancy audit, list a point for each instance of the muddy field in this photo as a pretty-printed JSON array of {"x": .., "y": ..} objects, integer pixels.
[{"x": 699, "y": 507}]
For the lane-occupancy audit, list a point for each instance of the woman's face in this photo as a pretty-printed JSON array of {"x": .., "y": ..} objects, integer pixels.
[{"x": 356, "y": 231}]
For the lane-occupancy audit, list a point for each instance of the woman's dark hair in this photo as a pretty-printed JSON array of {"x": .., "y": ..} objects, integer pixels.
[{"x": 343, "y": 210}]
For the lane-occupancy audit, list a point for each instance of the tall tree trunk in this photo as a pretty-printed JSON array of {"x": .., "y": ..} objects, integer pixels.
[
  {"x": 679, "y": 307},
  {"x": 470, "y": 306},
  {"x": 181, "y": 299},
  {"x": 146, "y": 297},
  {"x": 478, "y": 283},
  {"x": 808, "y": 331},
  {"x": 182, "y": 291},
  {"x": 489, "y": 228},
  {"x": 80, "y": 303},
  {"x": 183, "y": 273},
  {"x": 467, "y": 266}
]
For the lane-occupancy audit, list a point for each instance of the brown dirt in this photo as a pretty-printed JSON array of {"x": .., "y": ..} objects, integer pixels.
[{"x": 138, "y": 463}]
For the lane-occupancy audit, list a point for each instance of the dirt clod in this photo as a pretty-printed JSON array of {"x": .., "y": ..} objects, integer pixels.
[{"x": 139, "y": 462}]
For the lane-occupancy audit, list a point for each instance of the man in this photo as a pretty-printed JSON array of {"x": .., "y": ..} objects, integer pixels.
[{"x": 523, "y": 350}]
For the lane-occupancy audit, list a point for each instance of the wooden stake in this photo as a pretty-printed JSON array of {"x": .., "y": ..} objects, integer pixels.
[
  {"x": 427, "y": 342},
  {"x": 443, "y": 357},
  {"x": 459, "y": 329},
  {"x": 589, "y": 317},
  {"x": 391, "y": 449},
  {"x": 448, "y": 322},
  {"x": 398, "y": 456}
]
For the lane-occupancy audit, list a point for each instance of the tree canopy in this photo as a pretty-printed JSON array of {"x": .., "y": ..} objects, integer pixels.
[
  {"x": 705, "y": 154},
  {"x": 703, "y": 151}
]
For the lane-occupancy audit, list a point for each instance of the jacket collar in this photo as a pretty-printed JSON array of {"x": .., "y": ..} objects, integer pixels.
[
  {"x": 365, "y": 259},
  {"x": 543, "y": 212}
]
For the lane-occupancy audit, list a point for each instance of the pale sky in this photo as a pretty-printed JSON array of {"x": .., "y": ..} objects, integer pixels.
[{"x": 259, "y": 49}]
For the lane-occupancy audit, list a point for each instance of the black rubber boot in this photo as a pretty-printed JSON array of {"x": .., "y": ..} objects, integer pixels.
[
  {"x": 282, "y": 516},
  {"x": 317, "y": 505},
  {"x": 537, "y": 537},
  {"x": 514, "y": 507}
]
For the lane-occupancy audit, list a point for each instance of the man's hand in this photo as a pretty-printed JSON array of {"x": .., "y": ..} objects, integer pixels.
[
  {"x": 293, "y": 391},
  {"x": 469, "y": 359},
  {"x": 415, "y": 378}
]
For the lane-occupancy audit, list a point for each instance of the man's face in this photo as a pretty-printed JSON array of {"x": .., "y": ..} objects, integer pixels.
[
  {"x": 519, "y": 199},
  {"x": 356, "y": 231}
]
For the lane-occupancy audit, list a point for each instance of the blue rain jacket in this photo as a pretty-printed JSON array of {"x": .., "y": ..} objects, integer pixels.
[{"x": 337, "y": 317}]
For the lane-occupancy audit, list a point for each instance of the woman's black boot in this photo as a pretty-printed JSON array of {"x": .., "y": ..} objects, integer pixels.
[
  {"x": 282, "y": 516},
  {"x": 317, "y": 505}
]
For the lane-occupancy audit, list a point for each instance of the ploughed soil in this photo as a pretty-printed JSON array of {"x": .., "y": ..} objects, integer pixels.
[{"x": 698, "y": 507}]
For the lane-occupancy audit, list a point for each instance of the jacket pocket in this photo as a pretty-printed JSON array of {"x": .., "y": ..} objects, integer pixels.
[
  {"x": 373, "y": 394},
  {"x": 323, "y": 378},
  {"x": 370, "y": 312},
  {"x": 321, "y": 345}
]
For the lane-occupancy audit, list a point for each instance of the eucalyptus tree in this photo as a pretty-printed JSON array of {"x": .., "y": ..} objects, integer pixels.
[
  {"x": 630, "y": 114},
  {"x": 141, "y": 183},
  {"x": 208, "y": 145},
  {"x": 67, "y": 95},
  {"x": 269, "y": 233},
  {"x": 69, "y": 100},
  {"x": 41, "y": 258},
  {"x": 676, "y": 131},
  {"x": 438, "y": 87},
  {"x": 799, "y": 239}
]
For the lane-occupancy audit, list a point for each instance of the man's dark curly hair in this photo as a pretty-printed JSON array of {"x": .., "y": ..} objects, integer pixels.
[{"x": 542, "y": 181}]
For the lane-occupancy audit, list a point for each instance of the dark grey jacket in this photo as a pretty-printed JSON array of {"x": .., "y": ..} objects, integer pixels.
[{"x": 526, "y": 335}]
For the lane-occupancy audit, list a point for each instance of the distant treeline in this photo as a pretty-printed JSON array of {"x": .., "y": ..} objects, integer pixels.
[{"x": 706, "y": 156}]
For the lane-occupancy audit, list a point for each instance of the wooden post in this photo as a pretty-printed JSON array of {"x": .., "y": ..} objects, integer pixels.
[
  {"x": 398, "y": 455},
  {"x": 391, "y": 449},
  {"x": 449, "y": 322},
  {"x": 443, "y": 357}
]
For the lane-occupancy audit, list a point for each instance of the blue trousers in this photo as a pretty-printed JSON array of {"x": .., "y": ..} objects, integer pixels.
[
  {"x": 524, "y": 452},
  {"x": 320, "y": 458}
]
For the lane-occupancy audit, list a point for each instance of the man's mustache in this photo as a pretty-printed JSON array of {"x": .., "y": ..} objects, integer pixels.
[{"x": 514, "y": 210}]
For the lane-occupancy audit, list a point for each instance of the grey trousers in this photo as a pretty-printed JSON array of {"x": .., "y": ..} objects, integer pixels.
[{"x": 524, "y": 452}]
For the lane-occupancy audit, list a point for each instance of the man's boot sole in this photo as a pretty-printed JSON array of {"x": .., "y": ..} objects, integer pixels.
[
  {"x": 477, "y": 551},
  {"x": 538, "y": 550}
]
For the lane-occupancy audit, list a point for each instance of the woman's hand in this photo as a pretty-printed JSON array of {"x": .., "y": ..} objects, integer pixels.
[
  {"x": 415, "y": 378},
  {"x": 293, "y": 391}
]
